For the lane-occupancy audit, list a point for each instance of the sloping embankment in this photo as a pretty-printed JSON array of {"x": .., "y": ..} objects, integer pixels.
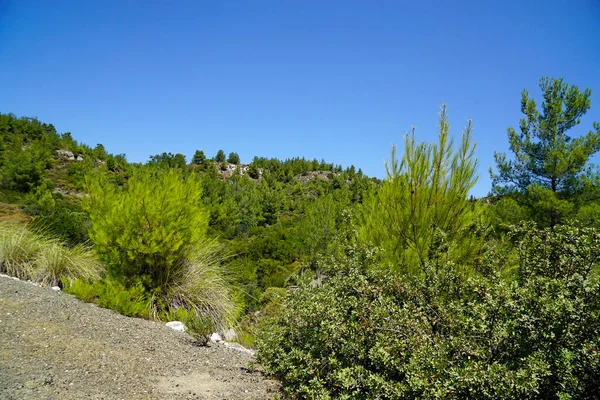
[{"x": 55, "y": 346}]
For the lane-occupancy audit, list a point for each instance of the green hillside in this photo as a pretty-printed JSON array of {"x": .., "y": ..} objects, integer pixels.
[{"x": 350, "y": 287}]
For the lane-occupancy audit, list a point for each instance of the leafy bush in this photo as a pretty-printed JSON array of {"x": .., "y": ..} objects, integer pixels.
[
  {"x": 199, "y": 327},
  {"x": 371, "y": 334},
  {"x": 22, "y": 168},
  {"x": 273, "y": 295},
  {"x": 131, "y": 301},
  {"x": 67, "y": 222},
  {"x": 83, "y": 290},
  {"x": 55, "y": 215}
]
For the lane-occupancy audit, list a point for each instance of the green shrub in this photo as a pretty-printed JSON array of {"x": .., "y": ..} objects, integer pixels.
[
  {"x": 83, "y": 290},
  {"x": 109, "y": 293},
  {"x": 153, "y": 231},
  {"x": 273, "y": 295},
  {"x": 371, "y": 334},
  {"x": 131, "y": 301},
  {"x": 199, "y": 327},
  {"x": 65, "y": 220},
  {"x": 270, "y": 301}
]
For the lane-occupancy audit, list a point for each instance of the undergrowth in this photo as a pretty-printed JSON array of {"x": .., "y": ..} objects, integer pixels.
[
  {"x": 109, "y": 293},
  {"x": 28, "y": 255}
]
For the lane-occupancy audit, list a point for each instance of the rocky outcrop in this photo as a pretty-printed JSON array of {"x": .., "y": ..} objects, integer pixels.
[
  {"x": 68, "y": 155},
  {"x": 65, "y": 154},
  {"x": 226, "y": 170},
  {"x": 310, "y": 175}
]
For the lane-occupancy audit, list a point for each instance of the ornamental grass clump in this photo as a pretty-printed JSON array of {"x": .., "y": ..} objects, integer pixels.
[
  {"x": 199, "y": 286},
  {"x": 28, "y": 255},
  {"x": 54, "y": 263},
  {"x": 18, "y": 248}
]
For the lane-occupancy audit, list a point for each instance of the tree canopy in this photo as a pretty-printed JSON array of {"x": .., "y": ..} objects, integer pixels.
[
  {"x": 220, "y": 156},
  {"x": 423, "y": 199},
  {"x": 544, "y": 154}
]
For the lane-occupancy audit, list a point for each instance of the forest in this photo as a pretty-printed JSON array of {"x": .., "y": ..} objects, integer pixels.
[{"x": 349, "y": 287}]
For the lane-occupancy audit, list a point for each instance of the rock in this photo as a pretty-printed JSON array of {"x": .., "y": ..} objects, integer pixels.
[
  {"x": 229, "y": 335},
  {"x": 239, "y": 347},
  {"x": 79, "y": 157},
  {"x": 55, "y": 288},
  {"x": 177, "y": 325},
  {"x": 66, "y": 154},
  {"x": 215, "y": 337}
]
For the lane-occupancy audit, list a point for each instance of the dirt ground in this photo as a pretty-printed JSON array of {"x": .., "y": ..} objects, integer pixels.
[{"x": 53, "y": 346}]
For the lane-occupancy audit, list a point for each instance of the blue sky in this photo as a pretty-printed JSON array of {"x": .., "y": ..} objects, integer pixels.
[{"x": 339, "y": 80}]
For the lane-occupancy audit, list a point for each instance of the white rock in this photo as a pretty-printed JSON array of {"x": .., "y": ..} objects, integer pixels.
[
  {"x": 229, "y": 335},
  {"x": 65, "y": 153},
  {"x": 177, "y": 325},
  {"x": 215, "y": 337},
  {"x": 55, "y": 288},
  {"x": 239, "y": 347}
]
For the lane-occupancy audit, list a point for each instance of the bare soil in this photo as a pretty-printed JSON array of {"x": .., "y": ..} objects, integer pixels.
[{"x": 53, "y": 346}]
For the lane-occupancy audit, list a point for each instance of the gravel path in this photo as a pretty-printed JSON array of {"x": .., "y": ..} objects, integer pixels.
[{"x": 53, "y": 346}]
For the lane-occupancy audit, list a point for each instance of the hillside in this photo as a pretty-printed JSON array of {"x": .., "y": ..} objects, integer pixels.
[
  {"x": 265, "y": 215},
  {"x": 348, "y": 287}
]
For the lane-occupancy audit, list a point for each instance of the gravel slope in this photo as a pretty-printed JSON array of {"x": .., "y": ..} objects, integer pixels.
[{"x": 53, "y": 346}]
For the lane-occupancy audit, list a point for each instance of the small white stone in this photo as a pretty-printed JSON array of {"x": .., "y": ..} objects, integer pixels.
[
  {"x": 55, "y": 288},
  {"x": 176, "y": 325},
  {"x": 229, "y": 335},
  {"x": 215, "y": 337}
]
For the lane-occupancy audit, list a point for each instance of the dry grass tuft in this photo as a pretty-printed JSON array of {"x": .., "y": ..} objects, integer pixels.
[
  {"x": 199, "y": 286},
  {"x": 27, "y": 255}
]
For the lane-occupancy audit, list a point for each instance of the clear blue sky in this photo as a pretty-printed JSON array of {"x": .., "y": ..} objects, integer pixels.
[{"x": 339, "y": 80}]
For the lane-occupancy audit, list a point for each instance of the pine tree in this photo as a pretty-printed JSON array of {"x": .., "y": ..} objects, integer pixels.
[
  {"x": 422, "y": 209},
  {"x": 544, "y": 154},
  {"x": 199, "y": 157},
  {"x": 548, "y": 171},
  {"x": 220, "y": 156},
  {"x": 233, "y": 158}
]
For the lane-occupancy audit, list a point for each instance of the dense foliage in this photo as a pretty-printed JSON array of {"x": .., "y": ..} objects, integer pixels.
[
  {"x": 370, "y": 334},
  {"x": 152, "y": 231}
]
